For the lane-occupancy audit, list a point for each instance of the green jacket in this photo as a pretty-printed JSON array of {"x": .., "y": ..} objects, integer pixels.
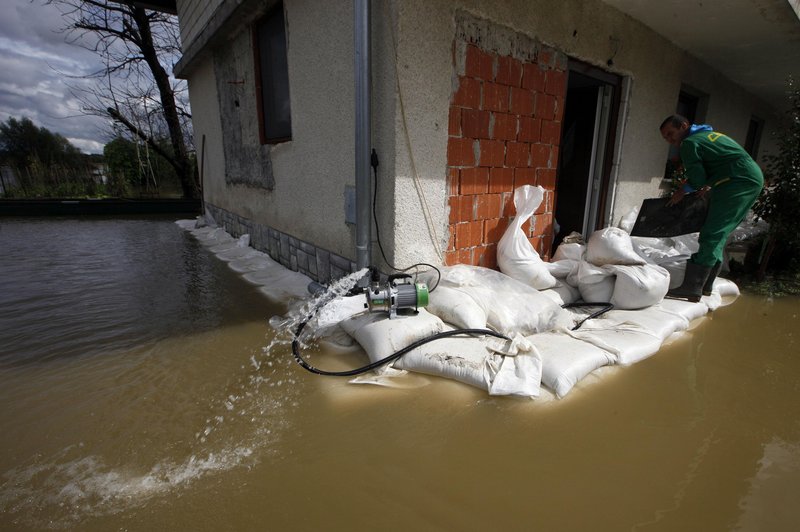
[{"x": 712, "y": 158}]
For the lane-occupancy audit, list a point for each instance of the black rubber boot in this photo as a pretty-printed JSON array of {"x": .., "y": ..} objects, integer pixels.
[
  {"x": 692, "y": 287},
  {"x": 709, "y": 286}
]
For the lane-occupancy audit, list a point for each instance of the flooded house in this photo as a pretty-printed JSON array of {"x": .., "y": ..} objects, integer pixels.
[{"x": 326, "y": 128}]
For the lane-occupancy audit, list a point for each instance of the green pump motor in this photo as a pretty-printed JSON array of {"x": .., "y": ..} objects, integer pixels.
[{"x": 398, "y": 293}]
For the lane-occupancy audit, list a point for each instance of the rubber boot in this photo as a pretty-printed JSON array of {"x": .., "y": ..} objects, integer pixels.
[
  {"x": 692, "y": 287},
  {"x": 709, "y": 286}
]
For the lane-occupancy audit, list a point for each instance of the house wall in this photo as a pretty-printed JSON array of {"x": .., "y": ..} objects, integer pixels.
[
  {"x": 428, "y": 52},
  {"x": 291, "y": 196}
]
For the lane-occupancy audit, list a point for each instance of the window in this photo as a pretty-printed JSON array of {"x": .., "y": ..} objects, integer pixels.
[
  {"x": 753, "y": 138},
  {"x": 272, "y": 78}
]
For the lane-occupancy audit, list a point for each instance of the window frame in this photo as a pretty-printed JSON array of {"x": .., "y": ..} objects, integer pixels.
[{"x": 258, "y": 24}]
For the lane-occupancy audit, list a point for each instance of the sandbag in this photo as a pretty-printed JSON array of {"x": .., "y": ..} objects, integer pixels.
[
  {"x": 510, "y": 305},
  {"x": 456, "y": 307},
  {"x": 566, "y": 360},
  {"x": 639, "y": 286},
  {"x": 595, "y": 283},
  {"x": 627, "y": 342},
  {"x": 611, "y": 245},
  {"x": 515, "y": 254},
  {"x": 469, "y": 360},
  {"x": 381, "y": 336}
]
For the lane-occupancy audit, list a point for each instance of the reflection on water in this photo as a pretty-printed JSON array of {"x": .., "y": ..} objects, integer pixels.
[{"x": 138, "y": 393}]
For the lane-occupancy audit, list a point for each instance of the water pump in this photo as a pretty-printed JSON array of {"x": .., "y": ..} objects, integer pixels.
[{"x": 397, "y": 293}]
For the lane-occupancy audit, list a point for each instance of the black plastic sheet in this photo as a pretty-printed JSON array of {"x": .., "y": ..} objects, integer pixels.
[{"x": 656, "y": 219}]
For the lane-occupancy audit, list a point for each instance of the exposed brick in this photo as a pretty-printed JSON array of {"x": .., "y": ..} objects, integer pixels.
[
  {"x": 540, "y": 155},
  {"x": 464, "y": 256},
  {"x": 560, "y": 108},
  {"x": 504, "y": 126},
  {"x": 460, "y": 152},
  {"x": 545, "y": 57},
  {"x": 521, "y": 101},
  {"x": 551, "y": 131},
  {"x": 518, "y": 154},
  {"x": 555, "y": 82},
  {"x": 468, "y": 93},
  {"x": 450, "y": 258},
  {"x": 488, "y": 206},
  {"x": 451, "y": 237},
  {"x": 546, "y": 205},
  {"x": 508, "y": 204},
  {"x": 536, "y": 242},
  {"x": 469, "y": 234},
  {"x": 492, "y": 152},
  {"x": 475, "y": 123},
  {"x": 529, "y": 129},
  {"x": 495, "y": 97},
  {"x": 509, "y": 71},
  {"x": 479, "y": 64},
  {"x": 524, "y": 176},
  {"x": 546, "y": 178},
  {"x": 454, "y": 122},
  {"x": 461, "y": 209},
  {"x": 494, "y": 229},
  {"x": 554, "y": 157},
  {"x": 474, "y": 180},
  {"x": 485, "y": 256},
  {"x": 533, "y": 77},
  {"x": 526, "y": 227},
  {"x": 545, "y": 106},
  {"x": 452, "y": 181},
  {"x": 501, "y": 180}
]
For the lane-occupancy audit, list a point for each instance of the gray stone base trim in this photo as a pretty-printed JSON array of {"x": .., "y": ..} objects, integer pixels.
[{"x": 297, "y": 255}]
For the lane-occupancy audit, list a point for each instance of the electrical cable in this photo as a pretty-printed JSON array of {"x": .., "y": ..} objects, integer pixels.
[
  {"x": 374, "y": 163},
  {"x": 605, "y": 308}
]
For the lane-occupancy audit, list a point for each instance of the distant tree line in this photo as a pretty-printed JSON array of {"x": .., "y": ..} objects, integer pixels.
[{"x": 37, "y": 163}]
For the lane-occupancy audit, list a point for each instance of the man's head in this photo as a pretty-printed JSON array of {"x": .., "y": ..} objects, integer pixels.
[{"x": 674, "y": 129}]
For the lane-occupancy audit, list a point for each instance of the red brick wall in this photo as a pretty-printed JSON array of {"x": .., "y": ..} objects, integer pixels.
[{"x": 504, "y": 132}]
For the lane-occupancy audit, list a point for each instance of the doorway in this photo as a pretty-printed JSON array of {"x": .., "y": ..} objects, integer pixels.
[{"x": 587, "y": 143}]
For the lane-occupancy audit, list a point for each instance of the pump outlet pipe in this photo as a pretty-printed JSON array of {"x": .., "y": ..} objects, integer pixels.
[{"x": 362, "y": 125}]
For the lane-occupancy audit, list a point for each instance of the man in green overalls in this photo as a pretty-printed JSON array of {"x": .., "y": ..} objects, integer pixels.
[{"x": 713, "y": 164}]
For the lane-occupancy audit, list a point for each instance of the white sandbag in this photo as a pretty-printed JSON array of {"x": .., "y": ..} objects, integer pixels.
[
  {"x": 469, "y": 360},
  {"x": 726, "y": 287},
  {"x": 639, "y": 286},
  {"x": 654, "y": 320},
  {"x": 627, "y": 222},
  {"x": 456, "y": 307},
  {"x": 611, "y": 245},
  {"x": 510, "y": 306},
  {"x": 566, "y": 360},
  {"x": 562, "y": 269},
  {"x": 515, "y": 254},
  {"x": 381, "y": 336},
  {"x": 569, "y": 251},
  {"x": 689, "y": 311},
  {"x": 666, "y": 249},
  {"x": 627, "y": 342},
  {"x": 595, "y": 283},
  {"x": 562, "y": 294}
]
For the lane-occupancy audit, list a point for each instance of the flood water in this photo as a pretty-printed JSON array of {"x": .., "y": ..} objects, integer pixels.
[{"x": 138, "y": 392}]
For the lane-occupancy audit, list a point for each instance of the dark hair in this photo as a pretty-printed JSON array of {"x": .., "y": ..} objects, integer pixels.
[{"x": 674, "y": 120}]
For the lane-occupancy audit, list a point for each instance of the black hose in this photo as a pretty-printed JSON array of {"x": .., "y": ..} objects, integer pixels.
[
  {"x": 605, "y": 308},
  {"x": 393, "y": 356}
]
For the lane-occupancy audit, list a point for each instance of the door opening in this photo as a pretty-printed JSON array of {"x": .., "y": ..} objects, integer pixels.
[{"x": 587, "y": 142}]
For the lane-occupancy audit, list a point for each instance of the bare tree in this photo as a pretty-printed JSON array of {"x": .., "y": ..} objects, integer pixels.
[{"x": 134, "y": 88}]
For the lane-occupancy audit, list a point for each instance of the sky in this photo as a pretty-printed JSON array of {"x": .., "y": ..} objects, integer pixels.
[{"x": 36, "y": 61}]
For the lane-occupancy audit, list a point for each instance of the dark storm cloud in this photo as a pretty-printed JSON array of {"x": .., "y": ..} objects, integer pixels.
[{"x": 37, "y": 67}]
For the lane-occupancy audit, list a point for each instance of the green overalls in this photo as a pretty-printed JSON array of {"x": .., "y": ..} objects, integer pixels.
[{"x": 713, "y": 159}]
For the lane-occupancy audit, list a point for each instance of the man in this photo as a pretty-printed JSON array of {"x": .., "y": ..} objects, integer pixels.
[{"x": 714, "y": 163}]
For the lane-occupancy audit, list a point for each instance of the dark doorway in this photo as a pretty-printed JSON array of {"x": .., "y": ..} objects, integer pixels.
[{"x": 587, "y": 139}]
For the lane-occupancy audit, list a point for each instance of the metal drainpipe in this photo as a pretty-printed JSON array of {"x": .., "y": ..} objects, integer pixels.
[{"x": 362, "y": 115}]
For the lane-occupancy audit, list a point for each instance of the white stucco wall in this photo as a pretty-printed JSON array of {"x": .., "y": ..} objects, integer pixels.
[{"x": 588, "y": 30}]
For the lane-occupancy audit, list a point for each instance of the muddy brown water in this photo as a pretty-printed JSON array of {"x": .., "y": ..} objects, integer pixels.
[{"x": 138, "y": 393}]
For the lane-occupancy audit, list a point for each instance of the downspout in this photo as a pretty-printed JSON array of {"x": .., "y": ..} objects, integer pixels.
[{"x": 362, "y": 126}]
